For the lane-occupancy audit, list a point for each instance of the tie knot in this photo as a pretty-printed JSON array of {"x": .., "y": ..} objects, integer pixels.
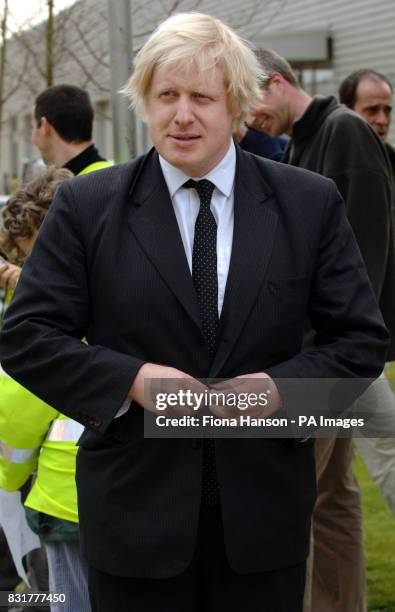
[{"x": 204, "y": 188}]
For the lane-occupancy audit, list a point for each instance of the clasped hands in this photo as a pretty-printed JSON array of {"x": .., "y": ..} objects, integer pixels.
[{"x": 166, "y": 390}]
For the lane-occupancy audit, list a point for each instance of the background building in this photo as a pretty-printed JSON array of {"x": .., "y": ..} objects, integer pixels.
[{"x": 324, "y": 41}]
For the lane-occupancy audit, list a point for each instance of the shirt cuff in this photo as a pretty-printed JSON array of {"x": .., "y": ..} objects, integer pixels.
[{"x": 123, "y": 409}]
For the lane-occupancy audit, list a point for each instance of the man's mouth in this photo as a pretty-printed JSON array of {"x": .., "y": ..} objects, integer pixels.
[{"x": 184, "y": 137}]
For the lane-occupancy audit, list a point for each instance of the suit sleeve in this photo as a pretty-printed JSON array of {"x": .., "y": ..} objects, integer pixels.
[
  {"x": 351, "y": 339},
  {"x": 41, "y": 344}
]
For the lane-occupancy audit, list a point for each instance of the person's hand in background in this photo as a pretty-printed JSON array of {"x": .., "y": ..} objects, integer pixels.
[{"x": 9, "y": 275}]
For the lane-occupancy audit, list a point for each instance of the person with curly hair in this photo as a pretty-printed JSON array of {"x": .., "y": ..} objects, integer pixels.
[
  {"x": 22, "y": 218},
  {"x": 33, "y": 435}
]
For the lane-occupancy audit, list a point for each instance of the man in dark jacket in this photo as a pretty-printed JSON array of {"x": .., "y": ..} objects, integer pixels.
[
  {"x": 330, "y": 140},
  {"x": 369, "y": 93}
]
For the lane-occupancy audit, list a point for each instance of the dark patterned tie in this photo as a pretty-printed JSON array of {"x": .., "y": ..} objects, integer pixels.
[{"x": 205, "y": 279}]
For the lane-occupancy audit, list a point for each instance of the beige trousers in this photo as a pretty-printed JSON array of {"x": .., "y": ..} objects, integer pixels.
[{"x": 336, "y": 568}]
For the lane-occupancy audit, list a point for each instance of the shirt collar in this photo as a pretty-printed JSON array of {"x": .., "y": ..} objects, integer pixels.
[
  {"x": 88, "y": 156},
  {"x": 222, "y": 175}
]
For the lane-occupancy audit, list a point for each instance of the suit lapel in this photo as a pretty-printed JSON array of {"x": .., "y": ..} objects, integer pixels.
[
  {"x": 154, "y": 224},
  {"x": 253, "y": 238}
]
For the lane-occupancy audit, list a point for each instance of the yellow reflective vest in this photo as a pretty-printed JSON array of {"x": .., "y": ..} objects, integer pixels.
[
  {"x": 34, "y": 436},
  {"x": 95, "y": 166}
]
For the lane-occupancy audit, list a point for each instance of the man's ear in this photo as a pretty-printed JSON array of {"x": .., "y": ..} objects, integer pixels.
[
  {"x": 44, "y": 125},
  {"x": 278, "y": 83}
]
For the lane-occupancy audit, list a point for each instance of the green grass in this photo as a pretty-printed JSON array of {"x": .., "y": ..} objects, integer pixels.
[{"x": 379, "y": 526}]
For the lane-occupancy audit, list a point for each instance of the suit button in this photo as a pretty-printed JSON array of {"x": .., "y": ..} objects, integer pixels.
[
  {"x": 196, "y": 443},
  {"x": 94, "y": 423}
]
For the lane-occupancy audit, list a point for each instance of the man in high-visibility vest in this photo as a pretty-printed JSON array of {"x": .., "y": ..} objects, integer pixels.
[{"x": 62, "y": 126}]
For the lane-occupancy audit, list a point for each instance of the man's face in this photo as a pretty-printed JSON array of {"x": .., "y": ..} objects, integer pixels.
[
  {"x": 374, "y": 104},
  {"x": 40, "y": 139},
  {"x": 272, "y": 114},
  {"x": 189, "y": 118}
]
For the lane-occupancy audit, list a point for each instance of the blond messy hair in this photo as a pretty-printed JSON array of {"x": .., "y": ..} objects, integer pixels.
[{"x": 195, "y": 40}]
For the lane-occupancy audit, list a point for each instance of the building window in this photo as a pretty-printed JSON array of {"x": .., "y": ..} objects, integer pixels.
[{"x": 317, "y": 80}]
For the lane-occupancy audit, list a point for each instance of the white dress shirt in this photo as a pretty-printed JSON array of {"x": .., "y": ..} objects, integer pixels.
[{"x": 186, "y": 205}]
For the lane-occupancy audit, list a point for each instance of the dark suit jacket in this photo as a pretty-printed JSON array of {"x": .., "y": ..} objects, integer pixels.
[
  {"x": 339, "y": 144},
  {"x": 109, "y": 264}
]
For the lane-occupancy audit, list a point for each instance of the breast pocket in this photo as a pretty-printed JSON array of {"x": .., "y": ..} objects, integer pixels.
[{"x": 288, "y": 300}]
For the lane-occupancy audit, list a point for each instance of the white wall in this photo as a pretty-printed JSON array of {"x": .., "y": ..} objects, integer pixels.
[{"x": 362, "y": 33}]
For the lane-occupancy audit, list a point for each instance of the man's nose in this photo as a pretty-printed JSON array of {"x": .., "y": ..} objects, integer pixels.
[{"x": 184, "y": 113}]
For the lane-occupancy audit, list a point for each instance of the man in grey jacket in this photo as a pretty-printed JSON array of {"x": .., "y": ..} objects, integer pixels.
[{"x": 332, "y": 141}]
